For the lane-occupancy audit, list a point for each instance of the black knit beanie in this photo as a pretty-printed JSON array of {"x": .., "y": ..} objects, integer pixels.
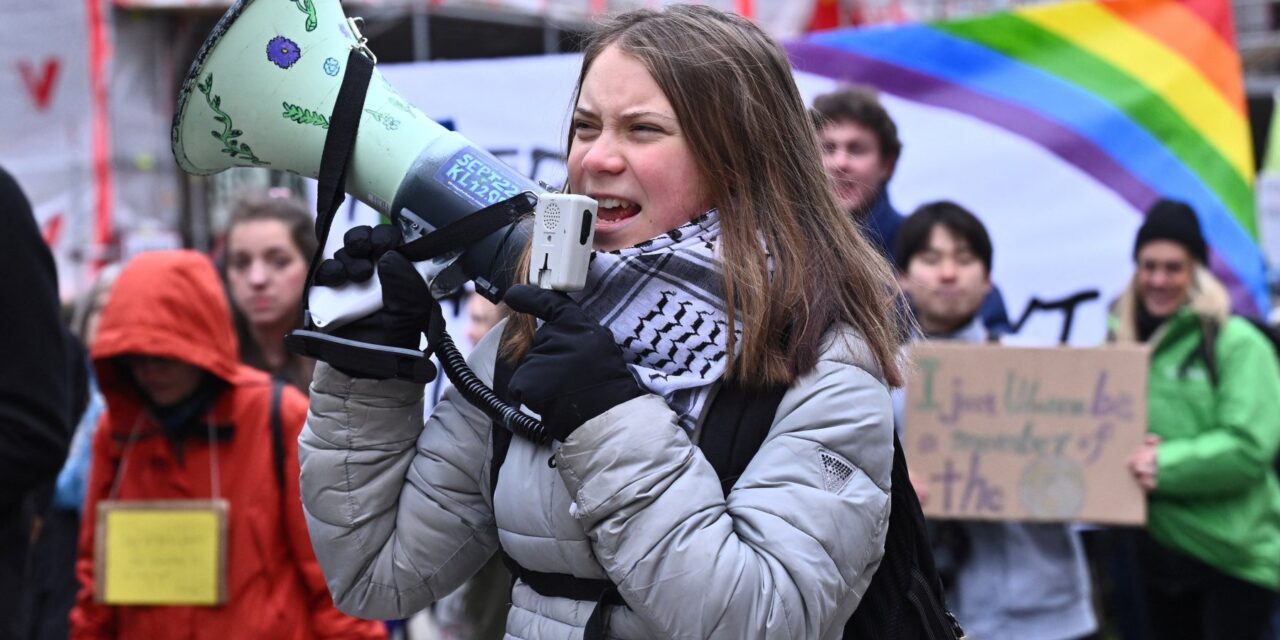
[{"x": 1175, "y": 221}]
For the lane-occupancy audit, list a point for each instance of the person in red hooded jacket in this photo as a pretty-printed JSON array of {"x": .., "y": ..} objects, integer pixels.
[{"x": 182, "y": 411}]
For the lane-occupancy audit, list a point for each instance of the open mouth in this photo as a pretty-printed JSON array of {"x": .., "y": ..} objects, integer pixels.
[{"x": 615, "y": 210}]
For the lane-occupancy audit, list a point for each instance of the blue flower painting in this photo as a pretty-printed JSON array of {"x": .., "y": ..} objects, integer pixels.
[
  {"x": 283, "y": 51},
  {"x": 331, "y": 66}
]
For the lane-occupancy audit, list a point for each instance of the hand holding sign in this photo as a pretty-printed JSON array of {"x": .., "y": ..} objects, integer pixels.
[{"x": 1143, "y": 463}]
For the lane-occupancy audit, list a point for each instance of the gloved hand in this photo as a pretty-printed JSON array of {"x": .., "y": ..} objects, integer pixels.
[
  {"x": 407, "y": 307},
  {"x": 362, "y": 247},
  {"x": 574, "y": 370}
]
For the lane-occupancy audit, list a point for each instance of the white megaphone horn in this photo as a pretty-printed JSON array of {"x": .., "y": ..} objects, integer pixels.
[{"x": 261, "y": 93}]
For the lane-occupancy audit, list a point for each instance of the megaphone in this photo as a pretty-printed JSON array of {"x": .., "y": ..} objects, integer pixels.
[{"x": 261, "y": 92}]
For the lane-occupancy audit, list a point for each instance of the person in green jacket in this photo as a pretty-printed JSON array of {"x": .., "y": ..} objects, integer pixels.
[{"x": 1210, "y": 557}]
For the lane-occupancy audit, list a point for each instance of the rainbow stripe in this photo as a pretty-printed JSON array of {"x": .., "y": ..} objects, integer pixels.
[{"x": 1144, "y": 96}]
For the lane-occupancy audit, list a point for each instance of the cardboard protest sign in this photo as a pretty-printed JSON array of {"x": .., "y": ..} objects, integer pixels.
[{"x": 1039, "y": 434}]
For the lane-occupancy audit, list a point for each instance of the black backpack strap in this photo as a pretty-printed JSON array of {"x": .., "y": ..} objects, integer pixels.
[
  {"x": 905, "y": 598},
  {"x": 926, "y": 593},
  {"x": 561, "y": 585},
  {"x": 1210, "y": 330},
  {"x": 1271, "y": 333},
  {"x": 1206, "y": 349},
  {"x": 735, "y": 427},
  {"x": 1209, "y": 348},
  {"x": 552, "y": 585},
  {"x": 277, "y": 431}
]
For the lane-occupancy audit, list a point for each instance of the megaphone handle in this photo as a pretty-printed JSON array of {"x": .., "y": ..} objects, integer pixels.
[{"x": 362, "y": 358}]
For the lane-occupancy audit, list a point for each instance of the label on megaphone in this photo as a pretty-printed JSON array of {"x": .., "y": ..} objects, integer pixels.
[{"x": 478, "y": 179}]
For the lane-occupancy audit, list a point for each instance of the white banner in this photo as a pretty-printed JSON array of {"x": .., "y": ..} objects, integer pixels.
[
  {"x": 783, "y": 19},
  {"x": 54, "y": 129},
  {"x": 518, "y": 108}
]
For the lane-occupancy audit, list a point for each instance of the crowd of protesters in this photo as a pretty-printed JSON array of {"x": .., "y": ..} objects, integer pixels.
[
  {"x": 169, "y": 381},
  {"x": 1208, "y": 563}
]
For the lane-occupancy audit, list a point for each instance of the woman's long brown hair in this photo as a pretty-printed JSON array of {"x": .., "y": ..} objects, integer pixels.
[{"x": 738, "y": 106}]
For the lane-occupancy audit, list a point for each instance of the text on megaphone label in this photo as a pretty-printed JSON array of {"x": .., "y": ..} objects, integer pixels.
[{"x": 477, "y": 179}]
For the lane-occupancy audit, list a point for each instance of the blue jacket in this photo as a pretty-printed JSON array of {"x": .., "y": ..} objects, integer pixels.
[
  {"x": 1019, "y": 581},
  {"x": 882, "y": 224},
  {"x": 70, "y": 488}
]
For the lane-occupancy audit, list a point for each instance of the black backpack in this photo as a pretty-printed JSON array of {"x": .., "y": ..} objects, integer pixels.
[{"x": 905, "y": 599}]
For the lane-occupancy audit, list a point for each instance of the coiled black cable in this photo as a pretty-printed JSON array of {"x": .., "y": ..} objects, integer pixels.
[{"x": 480, "y": 395}]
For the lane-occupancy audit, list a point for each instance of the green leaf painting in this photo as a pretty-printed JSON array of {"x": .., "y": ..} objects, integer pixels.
[
  {"x": 304, "y": 116},
  {"x": 229, "y": 134},
  {"x": 307, "y": 7},
  {"x": 390, "y": 123}
]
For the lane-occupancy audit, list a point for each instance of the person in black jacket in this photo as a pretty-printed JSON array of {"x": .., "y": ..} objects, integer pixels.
[{"x": 34, "y": 387}]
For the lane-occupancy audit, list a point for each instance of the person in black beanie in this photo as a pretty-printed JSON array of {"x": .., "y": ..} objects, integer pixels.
[
  {"x": 1176, "y": 221},
  {"x": 1162, "y": 294},
  {"x": 1208, "y": 563},
  {"x": 35, "y": 388}
]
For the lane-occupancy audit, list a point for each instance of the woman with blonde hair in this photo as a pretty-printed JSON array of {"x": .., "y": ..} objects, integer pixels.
[
  {"x": 722, "y": 261},
  {"x": 1208, "y": 560}
]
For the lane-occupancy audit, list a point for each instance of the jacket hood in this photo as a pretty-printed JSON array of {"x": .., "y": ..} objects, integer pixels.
[
  {"x": 1208, "y": 300},
  {"x": 167, "y": 304}
]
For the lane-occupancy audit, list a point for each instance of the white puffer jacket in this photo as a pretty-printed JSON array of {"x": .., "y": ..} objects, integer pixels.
[{"x": 400, "y": 515}]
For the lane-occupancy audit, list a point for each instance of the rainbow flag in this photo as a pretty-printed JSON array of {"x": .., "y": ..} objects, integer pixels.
[{"x": 1143, "y": 96}]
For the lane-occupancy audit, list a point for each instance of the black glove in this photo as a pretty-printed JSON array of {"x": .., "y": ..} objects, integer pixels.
[
  {"x": 362, "y": 247},
  {"x": 407, "y": 307},
  {"x": 574, "y": 371}
]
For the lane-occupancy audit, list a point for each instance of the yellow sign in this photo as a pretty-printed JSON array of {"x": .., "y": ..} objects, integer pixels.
[{"x": 161, "y": 552}]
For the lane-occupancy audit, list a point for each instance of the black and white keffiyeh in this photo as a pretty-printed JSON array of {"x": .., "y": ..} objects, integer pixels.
[{"x": 663, "y": 301}]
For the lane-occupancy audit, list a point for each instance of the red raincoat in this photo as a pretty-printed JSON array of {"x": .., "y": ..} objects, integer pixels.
[{"x": 171, "y": 304}]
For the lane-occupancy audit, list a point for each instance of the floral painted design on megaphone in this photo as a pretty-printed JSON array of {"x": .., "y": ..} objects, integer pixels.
[
  {"x": 283, "y": 52},
  {"x": 230, "y": 145}
]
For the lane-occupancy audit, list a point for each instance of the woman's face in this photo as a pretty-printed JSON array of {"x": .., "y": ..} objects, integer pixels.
[
  {"x": 629, "y": 153},
  {"x": 482, "y": 315},
  {"x": 1166, "y": 272},
  {"x": 266, "y": 271},
  {"x": 165, "y": 381}
]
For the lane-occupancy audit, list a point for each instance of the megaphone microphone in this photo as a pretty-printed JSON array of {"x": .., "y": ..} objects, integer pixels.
[{"x": 291, "y": 86}]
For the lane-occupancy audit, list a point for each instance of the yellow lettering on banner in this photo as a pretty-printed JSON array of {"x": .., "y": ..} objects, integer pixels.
[{"x": 162, "y": 553}]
